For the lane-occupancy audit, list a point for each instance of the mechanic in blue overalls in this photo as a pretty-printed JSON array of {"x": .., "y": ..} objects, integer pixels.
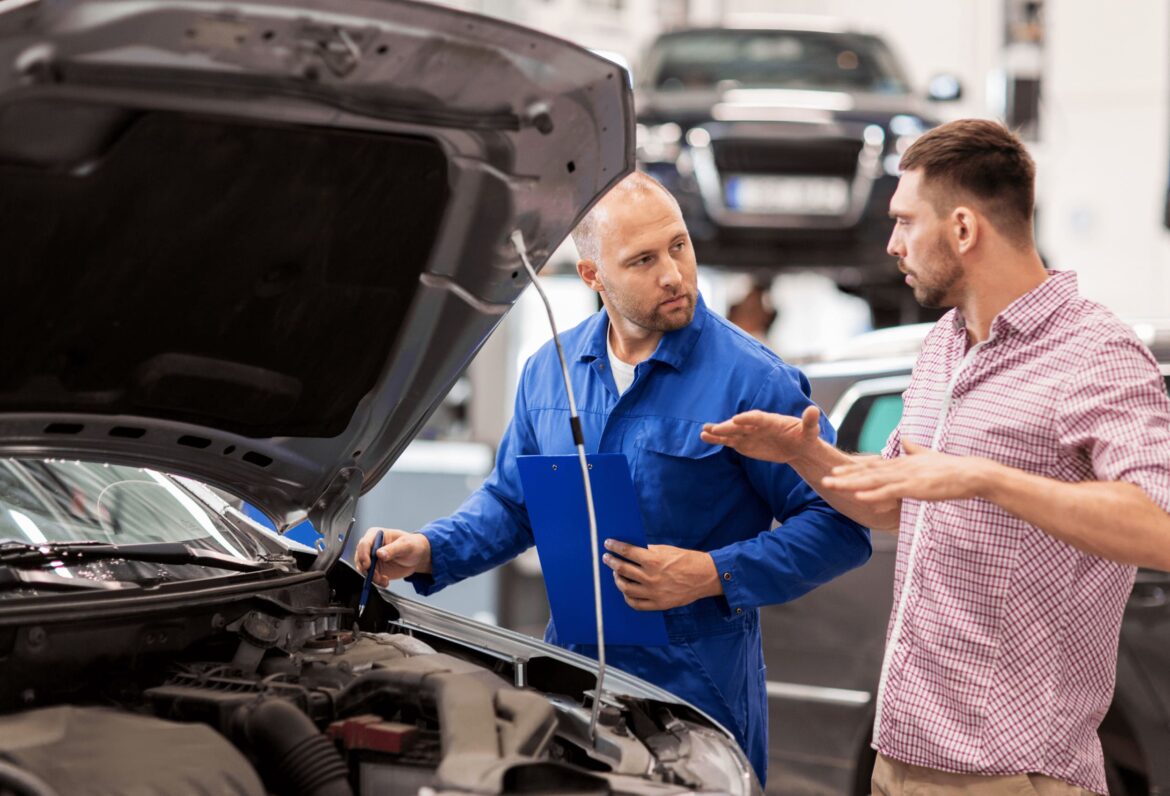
[{"x": 648, "y": 371}]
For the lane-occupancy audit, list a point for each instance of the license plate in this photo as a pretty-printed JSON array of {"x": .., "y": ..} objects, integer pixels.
[{"x": 774, "y": 194}]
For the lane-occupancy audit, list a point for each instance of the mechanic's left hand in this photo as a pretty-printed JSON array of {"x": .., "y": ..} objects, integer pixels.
[
  {"x": 919, "y": 474},
  {"x": 660, "y": 576}
]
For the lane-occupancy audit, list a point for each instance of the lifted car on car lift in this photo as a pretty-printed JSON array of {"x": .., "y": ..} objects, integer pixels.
[{"x": 782, "y": 147}]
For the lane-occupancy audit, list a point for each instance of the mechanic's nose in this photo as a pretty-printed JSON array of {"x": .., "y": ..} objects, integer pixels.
[{"x": 671, "y": 273}]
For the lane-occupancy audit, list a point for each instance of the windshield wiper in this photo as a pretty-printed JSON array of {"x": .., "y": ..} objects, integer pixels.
[
  {"x": 20, "y": 554},
  {"x": 13, "y": 578}
]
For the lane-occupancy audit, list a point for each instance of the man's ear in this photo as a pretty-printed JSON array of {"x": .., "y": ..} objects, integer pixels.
[
  {"x": 587, "y": 270},
  {"x": 966, "y": 228}
]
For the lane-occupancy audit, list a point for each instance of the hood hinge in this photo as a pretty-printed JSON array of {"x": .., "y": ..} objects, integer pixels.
[{"x": 332, "y": 515}]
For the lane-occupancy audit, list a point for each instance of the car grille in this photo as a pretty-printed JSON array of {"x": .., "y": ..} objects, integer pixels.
[{"x": 837, "y": 158}]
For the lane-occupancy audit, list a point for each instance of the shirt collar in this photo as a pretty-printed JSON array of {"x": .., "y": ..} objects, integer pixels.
[
  {"x": 1030, "y": 310},
  {"x": 673, "y": 349}
]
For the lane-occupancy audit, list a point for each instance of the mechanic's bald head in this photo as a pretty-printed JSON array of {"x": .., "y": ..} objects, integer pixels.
[
  {"x": 636, "y": 253},
  {"x": 635, "y": 188}
]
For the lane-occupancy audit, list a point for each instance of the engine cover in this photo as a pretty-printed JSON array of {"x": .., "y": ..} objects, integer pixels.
[{"x": 87, "y": 750}]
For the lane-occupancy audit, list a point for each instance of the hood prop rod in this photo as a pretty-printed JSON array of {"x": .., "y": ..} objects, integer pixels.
[{"x": 579, "y": 441}]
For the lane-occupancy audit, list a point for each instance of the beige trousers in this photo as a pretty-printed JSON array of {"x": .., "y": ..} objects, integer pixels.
[{"x": 895, "y": 778}]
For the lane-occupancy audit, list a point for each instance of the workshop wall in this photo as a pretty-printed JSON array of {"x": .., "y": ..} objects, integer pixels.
[{"x": 1104, "y": 146}]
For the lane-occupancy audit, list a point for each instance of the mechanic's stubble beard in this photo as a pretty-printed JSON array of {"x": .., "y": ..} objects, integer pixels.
[
  {"x": 934, "y": 285},
  {"x": 649, "y": 315}
]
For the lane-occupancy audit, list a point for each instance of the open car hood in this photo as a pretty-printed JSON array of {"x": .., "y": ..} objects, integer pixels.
[{"x": 256, "y": 243}]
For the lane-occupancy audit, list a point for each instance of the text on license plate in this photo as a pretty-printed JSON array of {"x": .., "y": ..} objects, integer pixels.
[{"x": 775, "y": 194}]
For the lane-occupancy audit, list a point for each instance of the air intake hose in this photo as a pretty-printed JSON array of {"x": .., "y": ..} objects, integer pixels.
[
  {"x": 293, "y": 756},
  {"x": 16, "y": 780}
]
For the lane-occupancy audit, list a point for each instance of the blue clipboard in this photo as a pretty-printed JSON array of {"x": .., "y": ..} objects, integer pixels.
[{"x": 555, "y": 497}]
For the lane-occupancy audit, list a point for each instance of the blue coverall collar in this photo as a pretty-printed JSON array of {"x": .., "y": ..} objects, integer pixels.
[{"x": 673, "y": 349}]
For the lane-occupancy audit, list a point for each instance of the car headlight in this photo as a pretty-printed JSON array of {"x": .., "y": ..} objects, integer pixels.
[
  {"x": 719, "y": 764},
  {"x": 904, "y": 130},
  {"x": 658, "y": 142}
]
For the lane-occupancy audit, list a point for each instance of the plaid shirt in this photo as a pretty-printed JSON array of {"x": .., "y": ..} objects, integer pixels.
[{"x": 1001, "y": 652}]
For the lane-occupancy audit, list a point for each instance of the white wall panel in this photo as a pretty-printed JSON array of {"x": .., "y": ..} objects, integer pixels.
[
  {"x": 621, "y": 26},
  {"x": 1105, "y": 141}
]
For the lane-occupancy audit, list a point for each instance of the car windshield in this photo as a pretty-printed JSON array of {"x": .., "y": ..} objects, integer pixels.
[
  {"x": 61, "y": 502},
  {"x": 775, "y": 59}
]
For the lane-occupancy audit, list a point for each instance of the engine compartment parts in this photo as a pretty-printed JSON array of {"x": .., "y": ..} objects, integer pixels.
[
  {"x": 274, "y": 698},
  {"x": 77, "y": 750}
]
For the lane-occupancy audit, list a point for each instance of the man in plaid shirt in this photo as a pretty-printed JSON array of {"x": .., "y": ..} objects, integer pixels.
[{"x": 1028, "y": 477}]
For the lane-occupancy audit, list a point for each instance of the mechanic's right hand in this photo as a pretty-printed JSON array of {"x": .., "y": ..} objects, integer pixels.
[
  {"x": 401, "y": 554},
  {"x": 767, "y": 436}
]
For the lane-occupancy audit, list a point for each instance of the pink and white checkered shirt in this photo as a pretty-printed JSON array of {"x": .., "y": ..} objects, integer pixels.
[{"x": 1001, "y": 652}]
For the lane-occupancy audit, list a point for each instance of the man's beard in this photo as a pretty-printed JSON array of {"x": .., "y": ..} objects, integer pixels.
[
  {"x": 653, "y": 319},
  {"x": 945, "y": 272}
]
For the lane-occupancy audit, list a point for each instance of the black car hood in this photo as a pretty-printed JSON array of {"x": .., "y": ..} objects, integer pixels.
[{"x": 257, "y": 243}]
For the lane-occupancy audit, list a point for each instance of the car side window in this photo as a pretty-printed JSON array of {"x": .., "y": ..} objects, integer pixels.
[
  {"x": 868, "y": 423},
  {"x": 884, "y": 414}
]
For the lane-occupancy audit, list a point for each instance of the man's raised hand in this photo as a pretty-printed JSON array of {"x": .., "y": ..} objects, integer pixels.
[{"x": 767, "y": 436}]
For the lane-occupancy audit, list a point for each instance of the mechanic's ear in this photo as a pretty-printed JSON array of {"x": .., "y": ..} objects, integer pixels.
[{"x": 587, "y": 270}]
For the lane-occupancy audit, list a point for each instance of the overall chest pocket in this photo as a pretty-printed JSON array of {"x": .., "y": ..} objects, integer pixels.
[{"x": 682, "y": 481}]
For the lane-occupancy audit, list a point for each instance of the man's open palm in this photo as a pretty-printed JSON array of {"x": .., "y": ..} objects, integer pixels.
[{"x": 767, "y": 436}]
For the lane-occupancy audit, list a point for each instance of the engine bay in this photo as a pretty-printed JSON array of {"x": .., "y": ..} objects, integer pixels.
[{"x": 273, "y": 695}]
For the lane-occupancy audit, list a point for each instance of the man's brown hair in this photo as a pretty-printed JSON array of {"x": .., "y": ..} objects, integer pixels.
[{"x": 980, "y": 160}]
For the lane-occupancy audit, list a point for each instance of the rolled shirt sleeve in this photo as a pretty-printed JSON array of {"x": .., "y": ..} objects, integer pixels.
[{"x": 1115, "y": 411}]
